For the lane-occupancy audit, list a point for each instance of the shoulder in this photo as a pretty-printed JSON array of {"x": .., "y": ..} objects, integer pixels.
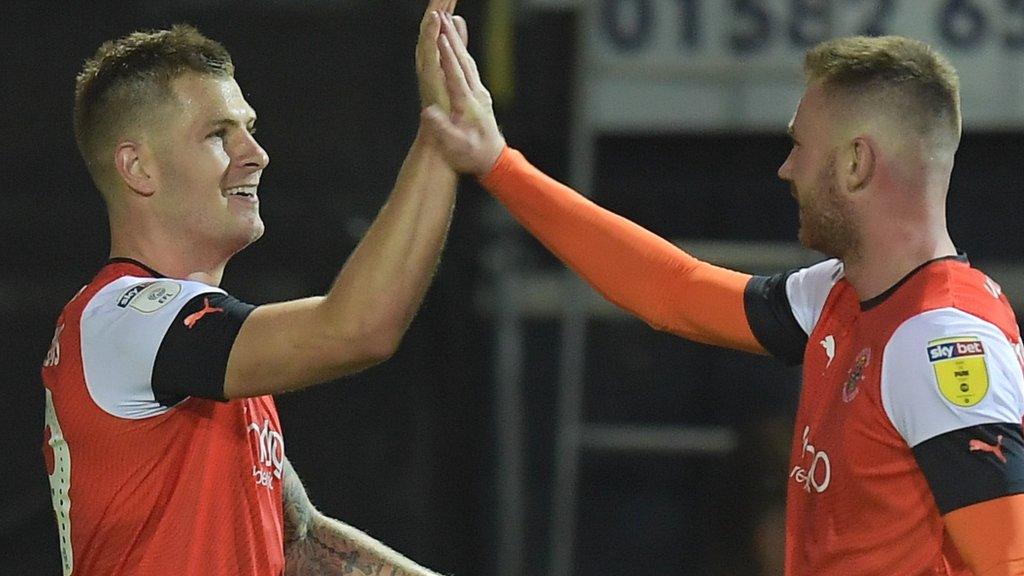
[
  {"x": 783, "y": 309},
  {"x": 954, "y": 283},
  {"x": 123, "y": 327},
  {"x": 824, "y": 273},
  {"x": 808, "y": 288},
  {"x": 948, "y": 368},
  {"x": 139, "y": 297}
]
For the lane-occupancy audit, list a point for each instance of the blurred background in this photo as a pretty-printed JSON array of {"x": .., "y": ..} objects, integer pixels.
[{"x": 525, "y": 427}]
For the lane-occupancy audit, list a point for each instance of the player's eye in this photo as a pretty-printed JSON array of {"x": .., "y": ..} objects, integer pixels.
[
  {"x": 252, "y": 130},
  {"x": 219, "y": 133}
]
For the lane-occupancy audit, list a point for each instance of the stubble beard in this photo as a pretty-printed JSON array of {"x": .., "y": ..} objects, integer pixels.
[{"x": 826, "y": 220}]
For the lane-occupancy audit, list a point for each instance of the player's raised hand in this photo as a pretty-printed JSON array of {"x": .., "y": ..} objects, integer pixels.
[
  {"x": 428, "y": 60},
  {"x": 468, "y": 134}
]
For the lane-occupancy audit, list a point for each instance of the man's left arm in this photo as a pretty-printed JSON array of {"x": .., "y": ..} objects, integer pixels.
[
  {"x": 952, "y": 386},
  {"x": 317, "y": 545},
  {"x": 990, "y": 535}
]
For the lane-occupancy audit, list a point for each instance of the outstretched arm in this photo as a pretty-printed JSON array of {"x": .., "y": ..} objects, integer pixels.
[
  {"x": 316, "y": 545},
  {"x": 990, "y": 535},
  {"x": 362, "y": 319},
  {"x": 633, "y": 268}
]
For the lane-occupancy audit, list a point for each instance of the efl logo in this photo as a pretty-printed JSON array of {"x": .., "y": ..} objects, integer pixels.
[
  {"x": 149, "y": 296},
  {"x": 958, "y": 349}
]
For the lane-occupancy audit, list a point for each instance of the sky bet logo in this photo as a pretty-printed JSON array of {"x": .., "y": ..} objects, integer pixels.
[
  {"x": 131, "y": 293},
  {"x": 960, "y": 371},
  {"x": 955, "y": 349}
]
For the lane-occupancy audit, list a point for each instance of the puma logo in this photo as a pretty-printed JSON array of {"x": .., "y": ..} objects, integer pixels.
[
  {"x": 976, "y": 445},
  {"x": 994, "y": 289},
  {"x": 191, "y": 319},
  {"x": 829, "y": 344}
]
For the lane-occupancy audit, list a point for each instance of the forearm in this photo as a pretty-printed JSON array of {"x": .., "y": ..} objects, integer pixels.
[
  {"x": 317, "y": 545},
  {"x": 386, "y": 277},
  {"x": 332, "y": 547},
  {"x": 635, "y": 269}
]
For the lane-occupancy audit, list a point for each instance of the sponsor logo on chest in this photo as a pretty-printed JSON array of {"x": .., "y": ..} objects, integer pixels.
[
  {"x": 814, "y": 471},
  {"x": 270, "y": 453}
]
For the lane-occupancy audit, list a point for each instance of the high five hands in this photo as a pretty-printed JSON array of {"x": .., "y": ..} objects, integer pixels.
[
  {"x": 466, "y": 129},
  {"x": 428, "y": 59}
]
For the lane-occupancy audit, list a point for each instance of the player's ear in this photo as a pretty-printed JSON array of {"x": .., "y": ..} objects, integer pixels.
[
  {"x": 858, "y": 166},
  {"x": 130, "y": 167}
]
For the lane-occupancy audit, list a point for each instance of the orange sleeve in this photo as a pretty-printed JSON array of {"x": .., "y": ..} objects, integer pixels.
[
  {"x": 990, "y": 535},
  {"x": 633, "y": 268}
]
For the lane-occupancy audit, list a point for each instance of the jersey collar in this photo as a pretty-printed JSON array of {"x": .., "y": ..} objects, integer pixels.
[
  {"x": 870, "y": 303},
  {"x": 132, "y": 261}
]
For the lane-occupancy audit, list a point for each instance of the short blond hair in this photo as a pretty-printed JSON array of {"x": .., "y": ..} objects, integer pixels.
[
  {"x": 129, "y": 77},
  {"x": 918, "y": 85}
]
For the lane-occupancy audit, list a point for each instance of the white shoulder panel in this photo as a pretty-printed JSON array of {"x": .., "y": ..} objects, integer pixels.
[
  {"x": 808, "y": 288},
  {"x": 944, "y": 370},
  {"x": 122, "y": 329}
]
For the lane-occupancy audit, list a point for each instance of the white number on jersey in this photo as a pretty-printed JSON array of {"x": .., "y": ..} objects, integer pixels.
[{"x": 60, "y": 484}]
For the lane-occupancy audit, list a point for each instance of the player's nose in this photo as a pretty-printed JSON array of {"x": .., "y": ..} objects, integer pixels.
[
  {"x": 785, "y": 170},
  {"x": 253, "y": 155}
]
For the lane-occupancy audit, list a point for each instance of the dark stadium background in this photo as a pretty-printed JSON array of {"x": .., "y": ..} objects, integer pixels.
[{"x": 407, "y": 450}]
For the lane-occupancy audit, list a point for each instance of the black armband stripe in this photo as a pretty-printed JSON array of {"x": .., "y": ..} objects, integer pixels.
[
  {"x": 972, "y": 465},
  {"x": 771, "y": 318},
  {"x": 193, "y": 357}
]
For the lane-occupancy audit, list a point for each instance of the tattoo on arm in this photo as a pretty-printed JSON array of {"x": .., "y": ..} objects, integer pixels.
[
  {"x": 298, "y": 510},
  {"x": 317, "y": 545}
]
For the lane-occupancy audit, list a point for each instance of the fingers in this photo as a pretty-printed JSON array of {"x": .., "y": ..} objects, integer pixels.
[
  {"x": 460, "y": 25},
  {"x": 426, "y": 47},
  {"x": 430, "y": 30},
  {"x": 428, "y": 62},
  {"x": 432, "y": 7},
  {"x": 466, "y": 62},
  {"x": 454, "y": 79},
  {"x": 430, "y": 25}
]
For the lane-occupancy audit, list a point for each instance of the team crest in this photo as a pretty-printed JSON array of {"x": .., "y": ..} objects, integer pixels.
[
  {"x": 856, "y": 374},
  {"x": 960, "y": 372}
]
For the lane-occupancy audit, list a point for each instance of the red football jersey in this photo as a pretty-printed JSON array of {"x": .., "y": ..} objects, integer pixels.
[
  {"x": 146, "y": 483},
  {"x": 895, "y": 390}
]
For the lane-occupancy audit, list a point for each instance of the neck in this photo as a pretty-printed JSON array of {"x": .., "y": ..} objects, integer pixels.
[
  {"x": 881, "y": 263},
  {"x": 902, "y": 221},
  {"x": 169, "y": 256}
]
